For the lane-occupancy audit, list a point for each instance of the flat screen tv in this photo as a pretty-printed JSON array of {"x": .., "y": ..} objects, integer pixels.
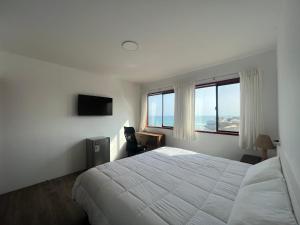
[{"x": 94, "y": 105}]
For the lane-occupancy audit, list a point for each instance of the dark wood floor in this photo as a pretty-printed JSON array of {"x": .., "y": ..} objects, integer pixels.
[{"x": 42, "y": 204}]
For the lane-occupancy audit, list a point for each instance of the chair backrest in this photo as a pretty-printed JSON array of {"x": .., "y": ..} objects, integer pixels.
[{"x": 129, "y": 133}]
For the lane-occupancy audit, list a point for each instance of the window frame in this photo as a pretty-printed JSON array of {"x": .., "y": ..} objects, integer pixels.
[
  {"x": 217, "y": 84},
  {"x": 162, "y": 120}
]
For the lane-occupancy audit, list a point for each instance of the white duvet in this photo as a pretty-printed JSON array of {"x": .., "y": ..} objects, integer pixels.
[{"x": 167, "y": 186}]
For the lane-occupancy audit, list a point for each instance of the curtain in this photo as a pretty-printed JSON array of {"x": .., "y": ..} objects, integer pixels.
[
  {"x": 251, "y": 123},
  {"x": 184, "y": 112},
  {"x": 143, "y": 120}
]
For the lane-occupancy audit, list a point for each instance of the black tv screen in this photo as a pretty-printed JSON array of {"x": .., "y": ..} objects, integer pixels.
[{"x": 94, "y": 105}]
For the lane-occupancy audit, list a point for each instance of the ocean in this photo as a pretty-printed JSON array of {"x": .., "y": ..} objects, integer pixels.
[
  {"x": 205, "y": 123},
  {"x": 156, "y": 121}
]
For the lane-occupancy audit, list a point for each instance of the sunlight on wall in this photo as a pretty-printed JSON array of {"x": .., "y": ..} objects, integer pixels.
[
  {"x": 117, "y": 143},
  {"x": 113, "y": 147},
  {"x": 122, "y": 139}
]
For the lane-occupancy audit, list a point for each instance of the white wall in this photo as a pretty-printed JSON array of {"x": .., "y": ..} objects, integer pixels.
[
  {"x": 289, "y": 89},
  {"x": 224, "y": 145},
  {"x": 44, "y": 138},
  {"x": 2, "y": 166}
]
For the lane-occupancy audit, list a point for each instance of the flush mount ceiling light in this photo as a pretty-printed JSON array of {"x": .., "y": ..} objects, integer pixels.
[{"x": 130, "y": 45}]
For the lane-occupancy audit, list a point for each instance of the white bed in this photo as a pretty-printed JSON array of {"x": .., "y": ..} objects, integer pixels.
[{"x": 167, "y": 186}]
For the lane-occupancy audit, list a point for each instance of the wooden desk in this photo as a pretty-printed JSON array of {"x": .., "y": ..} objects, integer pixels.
[{"x": 151, "y": 140}]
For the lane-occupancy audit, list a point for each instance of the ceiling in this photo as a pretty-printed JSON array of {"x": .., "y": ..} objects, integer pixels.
[{"x": 174, "y": 36}]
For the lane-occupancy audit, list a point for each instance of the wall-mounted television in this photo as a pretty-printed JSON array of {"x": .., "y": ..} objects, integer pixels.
[{"x": 94, "y": 105}]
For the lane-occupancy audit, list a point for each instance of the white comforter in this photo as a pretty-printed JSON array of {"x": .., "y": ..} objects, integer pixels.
[{"x": 167, "y": 186}]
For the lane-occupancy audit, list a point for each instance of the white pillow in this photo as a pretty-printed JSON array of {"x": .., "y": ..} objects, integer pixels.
[
  {"x": 266, "y": 170},
  {"x": 264, "y": 203}
]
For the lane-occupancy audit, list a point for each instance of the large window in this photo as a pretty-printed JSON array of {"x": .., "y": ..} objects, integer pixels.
[
  {"x": 161, "y": 109},
  {"x": 217, "y": 107}
]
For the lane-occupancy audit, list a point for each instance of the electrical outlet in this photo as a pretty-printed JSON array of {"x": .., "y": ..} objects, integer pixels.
[{"x": 97, "y": 148}]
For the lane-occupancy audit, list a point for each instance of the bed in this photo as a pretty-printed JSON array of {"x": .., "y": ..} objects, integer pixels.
[{"x": 171, "y": 186}]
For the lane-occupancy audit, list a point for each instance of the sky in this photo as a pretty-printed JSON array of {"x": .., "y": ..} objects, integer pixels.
[
  {"x": 169, "y": 100},
  {"x": 228, "y": 96},
  {"x": 155, "y": 104},
  {"x": 229, "y": 100}
]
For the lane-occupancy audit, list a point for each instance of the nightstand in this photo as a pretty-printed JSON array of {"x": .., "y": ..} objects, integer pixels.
[{"x": 251, "y": 159}]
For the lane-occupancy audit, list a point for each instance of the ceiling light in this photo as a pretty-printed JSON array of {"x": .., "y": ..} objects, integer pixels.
[{"x": 130, "y": 45}]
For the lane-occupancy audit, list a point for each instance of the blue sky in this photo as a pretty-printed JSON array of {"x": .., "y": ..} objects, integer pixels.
[
  {"x": 205, "y": 102},
  {"x": 229, "y": 100},
  {"x": 169, "y": 104},
  {"x": 155, "y": 103}
]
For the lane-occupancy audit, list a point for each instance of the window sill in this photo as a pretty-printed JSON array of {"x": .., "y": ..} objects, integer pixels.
[
  {"x": 219, "y": 132},
  {"x": 168, "y": 128}
]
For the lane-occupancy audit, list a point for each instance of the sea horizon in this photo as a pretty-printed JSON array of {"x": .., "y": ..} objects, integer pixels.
[{"x": 206, "y": 123}]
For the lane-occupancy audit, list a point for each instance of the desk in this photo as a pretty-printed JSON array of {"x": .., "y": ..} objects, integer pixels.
[{"x": 151, "y": 140}]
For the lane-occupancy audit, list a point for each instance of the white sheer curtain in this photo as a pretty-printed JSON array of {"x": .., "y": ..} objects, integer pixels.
[
  {"x": 184, "y": 110},
  {"x": 251, "y": 122},
  {"x": 143, "y": 119}
]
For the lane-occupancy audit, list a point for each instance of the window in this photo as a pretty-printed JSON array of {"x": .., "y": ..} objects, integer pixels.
[
  {"x": 205, "y": 109},
  {"x": 217, "y": 107},
  {"x": 161, "y": 109}
]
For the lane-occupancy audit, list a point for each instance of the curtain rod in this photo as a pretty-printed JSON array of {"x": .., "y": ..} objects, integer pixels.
[
  {"x": 161, "y": 88},
  {"x": 208, "y": 78},
  {"x": 216, "y": 77}
]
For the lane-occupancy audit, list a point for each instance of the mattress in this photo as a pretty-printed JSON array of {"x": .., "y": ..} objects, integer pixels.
[{"x": 167, "y": 186}]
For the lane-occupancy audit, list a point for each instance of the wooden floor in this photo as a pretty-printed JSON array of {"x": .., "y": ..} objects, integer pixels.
[{"x": 42, "y": 204}]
